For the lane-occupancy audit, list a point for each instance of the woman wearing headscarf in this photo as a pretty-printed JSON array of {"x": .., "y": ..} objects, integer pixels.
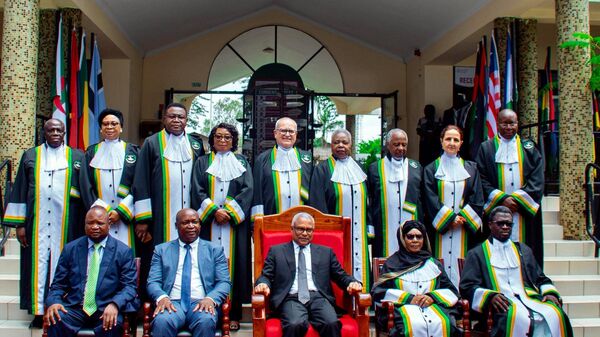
[
  {"x": 453, "y": 202},
  {"x": 107, "y": 176},
  {"x": 222, "y": 193},
  {"x": 340, "y": 188},
  {"x": 416, "y": 283}
]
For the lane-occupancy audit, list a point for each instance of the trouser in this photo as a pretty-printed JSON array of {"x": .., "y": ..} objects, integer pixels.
[{"x": 318, "y": 311}]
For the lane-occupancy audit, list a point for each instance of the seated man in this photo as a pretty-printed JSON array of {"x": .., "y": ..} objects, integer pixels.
[
  {"x": 95, "y": 282},
  {"x": 188, "y": 279},
  {"x": 300, "y": 275},
  {"x": 505, "y": 275}
]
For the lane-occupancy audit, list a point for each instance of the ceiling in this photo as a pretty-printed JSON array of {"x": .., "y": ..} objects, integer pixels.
[{"x": 396, "y": 27}]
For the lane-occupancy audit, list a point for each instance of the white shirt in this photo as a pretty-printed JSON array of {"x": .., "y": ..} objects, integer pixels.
[
  {"x": 91, "y": 251},
  {"x": 196, "y": 286},
  {"x": 309, "y": 275}
]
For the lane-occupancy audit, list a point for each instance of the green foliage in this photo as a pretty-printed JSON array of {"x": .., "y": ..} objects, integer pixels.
[
  {"x": 326, "y": 115},
  {"x": 225, "y": 110},
  {"x": 586, "y": 41},
  {"x": 370, "y": 147}
]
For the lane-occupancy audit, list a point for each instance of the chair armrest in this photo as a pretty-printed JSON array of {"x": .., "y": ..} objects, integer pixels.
[
  {"x": 362, "y": 302},
  {"x": 45, "y": 325},
  {"x": 225, "y": 309},
  {"x": 147, "y": 307},
  {"x": 259, "y": 314},
  {"x": 466, "y": 318},
  {"x": 388, "y": 307}
]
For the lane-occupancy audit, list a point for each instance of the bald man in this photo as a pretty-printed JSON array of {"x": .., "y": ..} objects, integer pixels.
[{"x": 45, "y": 208}]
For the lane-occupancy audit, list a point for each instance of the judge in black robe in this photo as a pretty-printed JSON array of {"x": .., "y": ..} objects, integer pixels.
[
  {"x": 107, "y": 176},
  {"x": 416, "y": 283},
  {"x": 394, "y": 192},
  {"x": 512, "y": 175},
  {"x": 222, "y": 194},
  {"x": 45, "y": 207},
  {"x": 282, "y": 174}
]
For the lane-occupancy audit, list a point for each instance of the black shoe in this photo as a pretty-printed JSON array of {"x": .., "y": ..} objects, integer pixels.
[{"x": 38, "y": 322}]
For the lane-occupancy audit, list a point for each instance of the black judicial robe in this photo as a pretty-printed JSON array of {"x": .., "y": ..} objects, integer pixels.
[
  {"x": 148, "y": 181},
  {"x": 379, "y": 202},
  {"x": 25, "y": 190},
  {"x": 239, "y": 199},
  {"x": 532, "y": 173},
  {"x": 477, "y": 275},
  {"x": 266, "y": 195}
]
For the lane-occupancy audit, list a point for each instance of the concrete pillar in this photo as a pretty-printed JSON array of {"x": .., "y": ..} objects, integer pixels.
[
  {"x": 575, "y": 118},
  {"x": 18, "y": 78},
  {"x": 527, "y": 73}
]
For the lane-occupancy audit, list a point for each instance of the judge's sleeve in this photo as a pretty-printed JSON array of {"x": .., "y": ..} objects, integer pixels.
[
  {"x": 473, "y": 203},
  {"x": 441, "y": 214},
  {"x": 318, "y": 185},
  {"x": 257, "y": 193},
  {"x": 142, "y": 184},
  {"x": 471, "y": 283},
  {"x": 200, "y": 199},
  {"x": 87, "y": 181},
  {"x": 238, "y": 205},
  {"x": 16, "y": 210}
]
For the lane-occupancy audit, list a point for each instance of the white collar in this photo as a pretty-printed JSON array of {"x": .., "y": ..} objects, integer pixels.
[
  {"x": 451, "y": 168},
  {"x": 503, "y": 254},
  {"x": 286, "y": 160},
  {"x": 110, "y": 155},
  {"x": 226, "y": 166},
  {"x": 347, "y": 172},
  {"x": 396, "y": 169},
  {"x": 507, "y": 151},
  {"x": 193, "y": 244},
  {"x": 427, "y": 272},
  {"x": 178, "y": 148},
  {"x": 55, "y": 158}
]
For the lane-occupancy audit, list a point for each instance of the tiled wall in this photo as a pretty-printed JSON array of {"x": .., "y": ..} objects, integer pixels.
[{"x": 527, "y": 73}]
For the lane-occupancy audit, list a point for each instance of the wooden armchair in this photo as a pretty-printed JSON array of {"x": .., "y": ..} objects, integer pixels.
[
  {"x": 388, "y": 307},
  {"x": 330, "y": 230}
]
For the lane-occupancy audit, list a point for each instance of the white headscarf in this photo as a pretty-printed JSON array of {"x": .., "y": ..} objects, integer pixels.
[
  {"x": 225, "y": 166},
  {"x": 178, "y": 148},
  {"x": 348, "y": 172},
  {"x": 110, "y": 155},
  {"x": 286, "y": 160},
  {"x": 451, "y": 169}
]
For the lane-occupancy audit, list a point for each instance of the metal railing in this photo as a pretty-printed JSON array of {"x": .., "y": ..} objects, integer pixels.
[
  {"x": 5, "y": 165},
  {"x": 545, "y": 137},
  {"x": 592, "y": 199}
]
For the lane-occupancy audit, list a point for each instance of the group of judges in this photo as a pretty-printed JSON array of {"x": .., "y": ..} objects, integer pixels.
[{"x": 189, "y": 215}]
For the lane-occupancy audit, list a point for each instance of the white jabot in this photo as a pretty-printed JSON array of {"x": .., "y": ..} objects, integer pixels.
[
  {"x": 507, "y": 151},
  {"x": 178, "y": 148},
  {"x": 451, "y": 169},
  {"x": 286, "y": 160},
  {"x": 225, "y": 166},
  {"x": 55, "y": 158},
  {"x": 347, "y": 172},
  {"x": 110, "y": 155},
  {"x": 503, "y": 255},
  {"x": 396, "y": 173}
]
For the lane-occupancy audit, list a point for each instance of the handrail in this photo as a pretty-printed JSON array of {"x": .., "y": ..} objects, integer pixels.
[
  {"x": 589, "y": 199},
  {"x": 7, "y": 188}
]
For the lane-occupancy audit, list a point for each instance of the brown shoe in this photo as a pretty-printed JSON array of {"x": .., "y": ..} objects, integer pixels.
[{"x": 234, "y": 325}]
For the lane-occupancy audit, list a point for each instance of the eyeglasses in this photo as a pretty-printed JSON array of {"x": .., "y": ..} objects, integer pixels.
[
  {"x": 503, "y": 223},
  {"x": 107, "y": 124},
  {"x": 223, "y": 137},
  {"x": 286, "y": 131},
  {"x": 414, "y": 237},
  {"x": 300, "y": 230}
]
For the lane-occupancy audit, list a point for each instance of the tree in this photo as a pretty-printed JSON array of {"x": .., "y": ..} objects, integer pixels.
[
  {"x": 326, "y": 115},
  {"x": 225, "y": 110},
  {"x": 196, "y": 114}
]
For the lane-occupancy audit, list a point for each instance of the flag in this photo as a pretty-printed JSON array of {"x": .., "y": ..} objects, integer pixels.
[
  {"x": 510, "y": 85},
  {"x": 73, "y": 97},
  {"x": 83, "y": 104},
  {"x": 474, "y": 122},
  {"x": 493, "y": 91},
  {"x": 549, "y": 114},
  {"x": 97, "y": 103},
  {"x": 59, "y": 85}
]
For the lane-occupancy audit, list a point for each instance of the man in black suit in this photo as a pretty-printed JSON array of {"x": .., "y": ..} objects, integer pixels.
[
  {"x": 300, "y": 275},
  {"x": 95, "y": 282}
]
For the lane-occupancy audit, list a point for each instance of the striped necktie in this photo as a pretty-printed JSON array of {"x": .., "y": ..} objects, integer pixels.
[{"x": 89, "y": 297}]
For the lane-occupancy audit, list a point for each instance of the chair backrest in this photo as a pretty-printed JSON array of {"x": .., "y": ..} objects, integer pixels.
[{"x": 330, "y": 230}]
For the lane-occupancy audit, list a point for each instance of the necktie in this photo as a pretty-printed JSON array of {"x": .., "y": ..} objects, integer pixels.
[
  {"x": 186, "y": 279},
  {"x": 89, "y": 296},
  {"x": 303, "y": 295}
]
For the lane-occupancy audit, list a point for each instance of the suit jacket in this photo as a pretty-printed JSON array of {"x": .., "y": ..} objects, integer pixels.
[
  {"x": 117, "y": 279},
  {"x": 212, "y": 264},
  {"x": 279, "y": 271}
]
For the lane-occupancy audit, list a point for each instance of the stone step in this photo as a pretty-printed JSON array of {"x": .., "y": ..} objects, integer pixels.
[
  {"x": 12, "y": 247},
  {"x": 586, "y": 327},
  {"x": 550, "y": 217},
  {"x": 10, "y": 264},
  {"x": 551, "y": 203},
  {"x": 568, "y": 248},
  {"x": 10, "y": 309},
  {"x": 565, "y": 265},
  {"x": 9, "y": 285},
  {"x": 18, "y": 328},
  {"x": 577, "y": 285},
  {"x": 553, "y": 232},
  {"x": 582, "y": 306}
]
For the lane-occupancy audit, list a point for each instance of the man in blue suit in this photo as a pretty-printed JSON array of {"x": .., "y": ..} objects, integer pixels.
[
  {"x": 188, "y": 280},
  {"x": 95, "y": 282}
]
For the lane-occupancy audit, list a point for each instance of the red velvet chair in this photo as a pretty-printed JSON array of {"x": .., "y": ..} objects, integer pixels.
[{"x": 330, "y": 230}]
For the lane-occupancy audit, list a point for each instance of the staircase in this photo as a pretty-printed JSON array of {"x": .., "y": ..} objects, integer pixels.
[{"x": 570, "y": 264}]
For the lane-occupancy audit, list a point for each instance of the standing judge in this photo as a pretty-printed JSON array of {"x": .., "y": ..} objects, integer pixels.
[
  {"x": 394, "y": 191},
  {"x": 512, "y": 175},
  {"x": 342, "y": 190},
  {"x": 45, "y": 207},
  {"x": 453, "y": 201},
  {"x": 222, "y": 193},
  {"x": 282, "y": 174},
  {"x": 107, "y": 176}
]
